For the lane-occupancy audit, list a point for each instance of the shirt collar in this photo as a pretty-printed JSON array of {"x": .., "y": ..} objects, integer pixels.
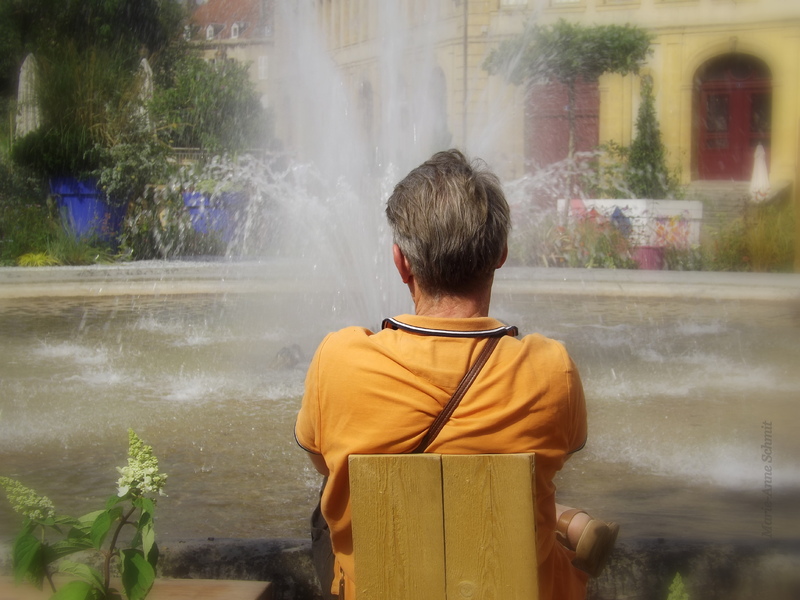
[{"x": 450, "y": 327}]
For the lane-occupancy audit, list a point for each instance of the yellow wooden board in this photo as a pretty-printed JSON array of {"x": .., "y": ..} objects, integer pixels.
[
  {"x": 444, "y": 526},
  {"x": 397, "y": 527},
  {"x": 490, "y": 534}
]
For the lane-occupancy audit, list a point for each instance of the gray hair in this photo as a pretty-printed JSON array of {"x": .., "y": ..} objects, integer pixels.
[{"x": 451, "y": 221}]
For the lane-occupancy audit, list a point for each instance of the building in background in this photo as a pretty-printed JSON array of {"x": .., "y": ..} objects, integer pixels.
[
  {"x": 725, "y": 76},
  {"x": 241, "y": 30},
  {"x": 725, "y": 72}
]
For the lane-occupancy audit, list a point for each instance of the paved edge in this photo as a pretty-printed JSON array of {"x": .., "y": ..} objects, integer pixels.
[{"x": 270, "y": 276}]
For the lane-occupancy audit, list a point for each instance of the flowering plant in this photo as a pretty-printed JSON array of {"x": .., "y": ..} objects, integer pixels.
[{"x": 37, "y": 559}]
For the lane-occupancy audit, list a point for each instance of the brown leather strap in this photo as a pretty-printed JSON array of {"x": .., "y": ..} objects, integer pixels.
[
  {"x": 562, "y": 526},
  {"x": 462, "y": 388}
]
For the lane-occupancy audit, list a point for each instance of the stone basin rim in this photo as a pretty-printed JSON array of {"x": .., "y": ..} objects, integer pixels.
[{"x": 163, "y": 277}]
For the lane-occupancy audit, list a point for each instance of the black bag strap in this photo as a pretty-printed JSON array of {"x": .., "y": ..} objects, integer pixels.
[{"x": 455, "y": 399}]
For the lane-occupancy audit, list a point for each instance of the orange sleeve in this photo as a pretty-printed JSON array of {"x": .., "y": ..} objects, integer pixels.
[
  {"x": 577, "y": 404},
  {"x": 307, "y": 427}
]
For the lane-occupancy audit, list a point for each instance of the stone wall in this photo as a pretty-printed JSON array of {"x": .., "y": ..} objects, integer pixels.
[{"x": 638, "y": 570}]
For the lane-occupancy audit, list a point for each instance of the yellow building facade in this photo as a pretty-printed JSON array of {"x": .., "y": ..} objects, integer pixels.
[
  {"x": 689, "y": 38},
  {"x": 690, "y": 35}
]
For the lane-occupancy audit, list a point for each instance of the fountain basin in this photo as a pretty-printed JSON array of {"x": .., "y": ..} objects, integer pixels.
[{"x": 681, "y": 371}]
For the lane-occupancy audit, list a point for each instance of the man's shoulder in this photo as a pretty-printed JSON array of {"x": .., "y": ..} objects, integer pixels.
[
  {"x": 346, "y": 339},
  {"x": 539, "y": 342},
  {"x": 542, "y": 348}
]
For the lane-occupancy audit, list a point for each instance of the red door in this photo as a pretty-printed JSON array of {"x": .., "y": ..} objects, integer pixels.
[
  {"x": 735, "y": 116},
  {"x": 547, "y": 123}
]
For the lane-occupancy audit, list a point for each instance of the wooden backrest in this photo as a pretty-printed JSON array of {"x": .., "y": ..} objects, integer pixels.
[{"x": 444, "y": 527}]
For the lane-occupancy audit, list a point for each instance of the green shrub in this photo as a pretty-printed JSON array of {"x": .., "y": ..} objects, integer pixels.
[
  {"x": 727, "y": 250},
  {"x": 677, "y": 591},
  {"x": 158, "y": 226},
  {"x": 691, "y": 258},
  {"x": 761, "y": 240},
  {"x": 26, "y": 218},
  {"x": 78, "y": 91},
  {"x": 66, "y": 249},
  {"x": 30, "y": 226},
  {"x": 24, "y": 229},
  {"x": 592, "y": 243},
  {"x": 769, "y": 234},
  {"x": 37, "y": 259},
  {"x": 647, "y": 175},
  {"x": 214, "y": 107},
  {"x": 605, "y": 177},
  {"x": 588, "y": 242}
]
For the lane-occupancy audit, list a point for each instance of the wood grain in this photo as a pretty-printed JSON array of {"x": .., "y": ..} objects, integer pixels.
[
  {"x": 444, "y": 527},
  {"x": 398, "y": 536}
]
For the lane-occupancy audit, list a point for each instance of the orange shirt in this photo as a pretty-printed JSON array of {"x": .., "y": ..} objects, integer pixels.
[{"x": 377, "y": 393}]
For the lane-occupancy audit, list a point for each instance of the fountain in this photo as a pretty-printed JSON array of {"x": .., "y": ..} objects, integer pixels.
[{"x": 691, "y": 379}]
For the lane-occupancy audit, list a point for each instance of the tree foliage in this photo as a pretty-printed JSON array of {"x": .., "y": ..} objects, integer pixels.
[
  {"x": 129, "y": 28},
  {"x": 647, "y": 175},
  {"x": 78, "y": 93},
  {"x": 568, "y": 53},
  {"x": 211, "y": 106}
]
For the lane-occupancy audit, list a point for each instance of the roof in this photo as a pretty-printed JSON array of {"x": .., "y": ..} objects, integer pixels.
[{"x": 252, "y": 18}]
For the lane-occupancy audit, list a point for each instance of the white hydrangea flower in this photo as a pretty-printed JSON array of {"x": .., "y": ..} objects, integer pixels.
[
  {"x": 27, "y": 502},
  {"x": 140, "y": 476}
]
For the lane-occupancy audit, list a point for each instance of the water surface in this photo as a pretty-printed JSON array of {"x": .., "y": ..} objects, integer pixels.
[{"x": 678, "y": 393}]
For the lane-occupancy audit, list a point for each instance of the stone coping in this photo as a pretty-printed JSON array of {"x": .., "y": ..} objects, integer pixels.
[
  {"x": 275, "y": 275},
  {"x": 639, "y": 569},
  {"x": 163, "y": 589}
]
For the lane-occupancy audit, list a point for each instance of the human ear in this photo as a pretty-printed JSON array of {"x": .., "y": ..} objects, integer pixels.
[
  {"x": 401, "y": 263},
  {"x": 503, "y": 257}
]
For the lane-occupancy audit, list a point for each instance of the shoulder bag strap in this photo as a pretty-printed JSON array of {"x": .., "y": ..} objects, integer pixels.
[{"x": 462, "y": 388}]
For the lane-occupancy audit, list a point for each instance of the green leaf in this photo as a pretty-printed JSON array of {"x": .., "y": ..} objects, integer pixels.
[
  {"x": 60, "y": 523},
  {"x": 100, "y": 528},
  {"x": 136, "y": 540},
  {"x": 138, "y": 575},
  {"x": 152, "y": 555},
  {"x": 77, "y": 590},
  {"x": 85, "y": 572},
  {"x": 90, "y": 517},
  {"x": 146, "y": 505},
  {"x": 81, "y": 532},
  {"x": 146, "y": 518},
  {"x": 26, "y": 555},
  {"x": 148, "y": 540},
  {"x": 63, "y": 548},
  {"x": 113, "y": 501},
  {"x": 65, "y": 520}
]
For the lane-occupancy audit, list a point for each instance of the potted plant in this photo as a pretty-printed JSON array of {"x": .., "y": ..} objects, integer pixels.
[
  {"x": 93, "y": 144},
  {"x": 216, "y": 206},
  {"x": 49, "y": 543}
]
